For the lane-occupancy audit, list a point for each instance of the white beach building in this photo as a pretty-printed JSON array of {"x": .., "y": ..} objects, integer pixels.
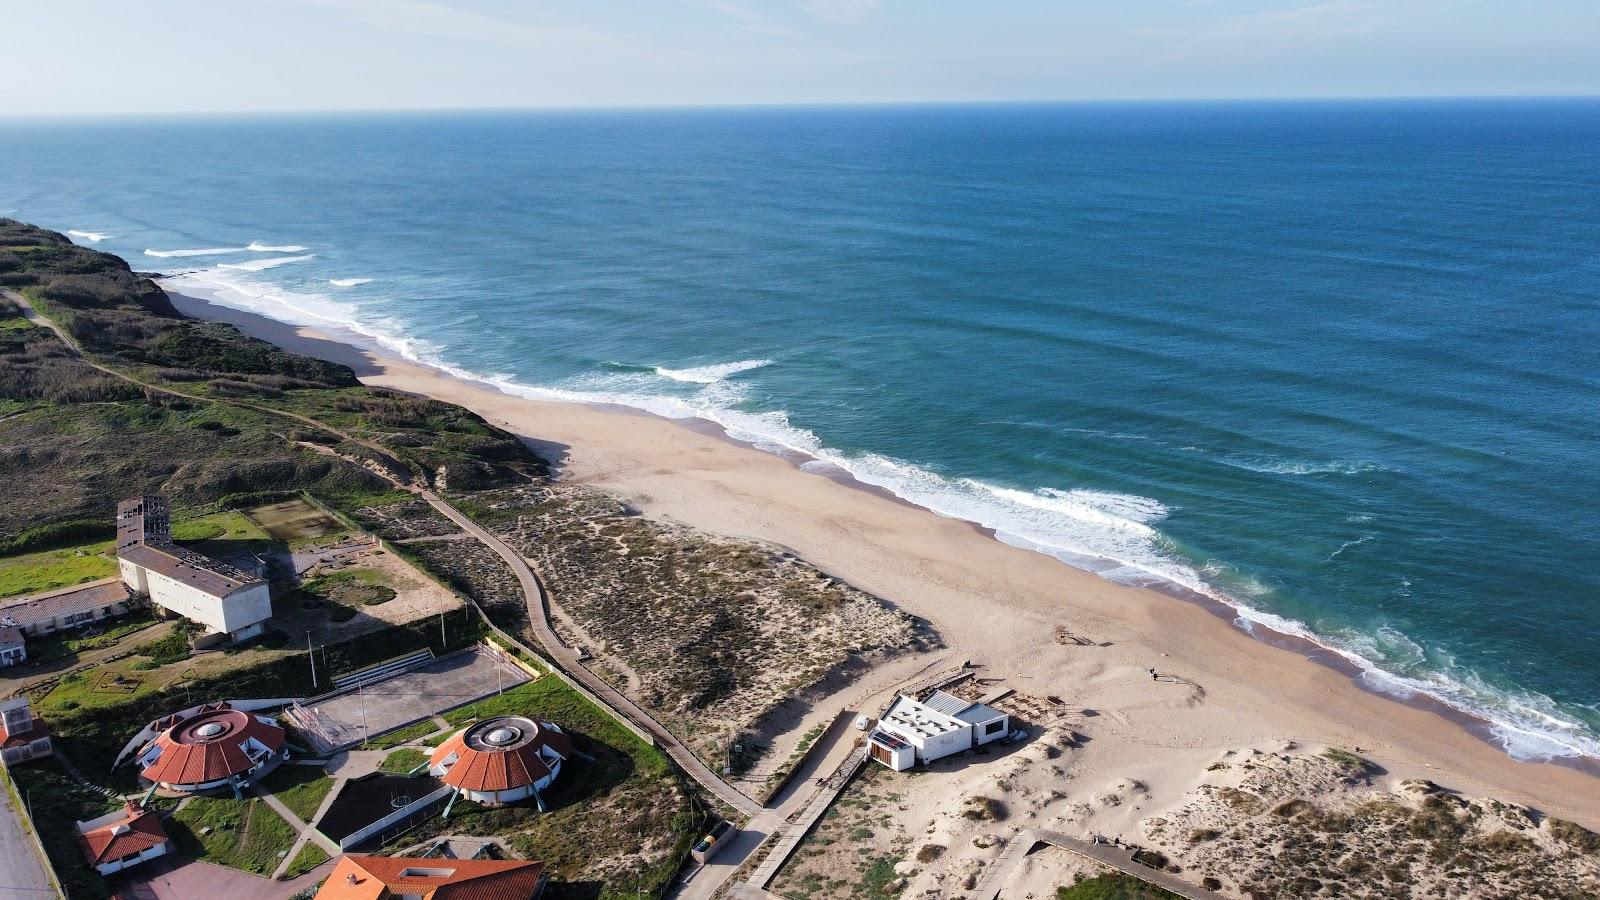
[
  {"x": 921, "y": 731},
  {"x": 229, "y": 602}
]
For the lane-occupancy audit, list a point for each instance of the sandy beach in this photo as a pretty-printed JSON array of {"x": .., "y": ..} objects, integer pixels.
[{"x": 996, "y": 605}]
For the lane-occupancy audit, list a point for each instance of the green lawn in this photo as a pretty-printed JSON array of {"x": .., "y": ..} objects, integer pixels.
[
  {"x": 402, "y": 736},
  {"x": 301, "y": 788},
  {"x": 46, "y": 570},
  {"x": 310, "y": 856},
  {"x": 245, "y": 835},
  {"x": 227, "y": 526},
  {"x": 1115, "y": 886},
  {"x": 517, "y": 701},
  {"x": 111, "y": 684},
  {"x": 402, "y": 761}
]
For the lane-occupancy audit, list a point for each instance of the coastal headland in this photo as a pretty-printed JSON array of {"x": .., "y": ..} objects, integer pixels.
[{"x": 1001, "y": 607}]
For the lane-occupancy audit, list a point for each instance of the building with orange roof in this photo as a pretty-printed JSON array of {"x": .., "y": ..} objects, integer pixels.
[
  {"x": 502, "y": 760},
  {"x": 124, "y": 838},
  {"x": 23, "y": 736},
  {"x": 212, "y": 746},
  {"x": 408, "y": 877}
]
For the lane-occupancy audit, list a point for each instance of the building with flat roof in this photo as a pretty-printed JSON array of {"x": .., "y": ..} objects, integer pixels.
[
  {"x": 228, "y": 601},
  {"x": 419, "y": 878},
  {"x": 920, "y": 731},
  {"x": 124, "y": 838},
  {"x": 502, "y": 760},
  {"x": 211, "y": 746}
]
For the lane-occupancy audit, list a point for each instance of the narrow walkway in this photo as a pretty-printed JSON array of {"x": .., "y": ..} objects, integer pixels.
[
  {"x": 768, "y": 868},
  {"x": 567, "y": 658},
  {"x": 1119, "y": 858},
  {"x": 307, "y": 832}
]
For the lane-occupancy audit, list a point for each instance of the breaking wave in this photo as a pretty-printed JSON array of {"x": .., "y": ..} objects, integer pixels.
[
  {"x": 348, "y": 282},
  {"x": 1112, "y": 534},
  {"x": 258, "y": 247},
  {"x": 257, "y": 265},
  {"x": 93, "y": 237},
  {"x": 712, "y": 373}
]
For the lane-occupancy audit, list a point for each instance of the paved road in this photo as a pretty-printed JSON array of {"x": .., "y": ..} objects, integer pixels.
[
  {"x": 567, "y": 658},
  {"x": 22, "y": 873}
]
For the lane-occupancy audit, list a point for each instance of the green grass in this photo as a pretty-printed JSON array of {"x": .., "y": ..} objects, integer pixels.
[
  {"x": 58, "y": 802},
  {"x": 402, "y": 736},
  {"x": 1115, "y": 886},
  {"x": 309, "y": 858},
  {"x": 228, "y": 526},
  {"x": 47, "y": 570},
  {"x": 516, "y": 701},
  {"x": 245, "y": 835},
  {"x": 301, "y": 788},
  {"x": 167, "y": 650},
  {"x": 97, "y": 689},
  {"x": 402, "y": 761}
]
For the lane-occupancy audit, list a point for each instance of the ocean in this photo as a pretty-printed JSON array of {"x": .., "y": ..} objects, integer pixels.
[{"x": 1334, "y": 363}]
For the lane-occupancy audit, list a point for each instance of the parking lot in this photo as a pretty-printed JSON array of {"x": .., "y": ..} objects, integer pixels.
[{"x": 443, "y": 684}]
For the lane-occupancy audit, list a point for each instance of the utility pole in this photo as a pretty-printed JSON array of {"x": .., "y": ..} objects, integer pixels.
[
  {"x": 311, "y": 656},
  {"x": 443, "y": 642}
]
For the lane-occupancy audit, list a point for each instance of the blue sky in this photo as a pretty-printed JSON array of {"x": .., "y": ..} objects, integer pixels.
[{"x": 94, "y": 56}]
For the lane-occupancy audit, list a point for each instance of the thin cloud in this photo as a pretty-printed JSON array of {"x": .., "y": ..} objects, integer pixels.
[
  {"x": 840, "y": 11},
  {"x": 439, "y": 21}
]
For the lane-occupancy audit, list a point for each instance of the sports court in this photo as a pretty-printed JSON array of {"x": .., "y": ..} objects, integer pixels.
[{"x": 445, "y": 683}]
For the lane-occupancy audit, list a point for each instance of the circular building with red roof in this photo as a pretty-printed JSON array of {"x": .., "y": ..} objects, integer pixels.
[
  {"x": 501, "y": 760},
  {"x": 211, "y": 746}
]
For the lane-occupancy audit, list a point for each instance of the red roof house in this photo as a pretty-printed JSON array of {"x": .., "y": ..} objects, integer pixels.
[
  {"x": 125, "y": 838},
  {"x": 392, "y": 877}
]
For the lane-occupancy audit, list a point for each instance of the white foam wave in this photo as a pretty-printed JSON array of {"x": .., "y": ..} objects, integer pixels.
[
  {"x": 258, "y": 265},
  {"x": 1268, "y": 466},
  {"x": 1111, "y": 534},
  {"x": 202, "y": 251},
  {"x": 258, "y": 247},
  {"x": 712, "y": 373},
  {"x": 348, "y": 282},
  {"x": 93, "y": 237}
]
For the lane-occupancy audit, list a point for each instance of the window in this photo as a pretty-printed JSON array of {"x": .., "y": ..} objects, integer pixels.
[
  {"x": 77, "y": 617},
  {"x": 995, "y": 727}
]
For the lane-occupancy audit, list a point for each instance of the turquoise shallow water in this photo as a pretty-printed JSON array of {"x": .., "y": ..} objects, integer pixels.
[{"x": 1334, "y": 362}]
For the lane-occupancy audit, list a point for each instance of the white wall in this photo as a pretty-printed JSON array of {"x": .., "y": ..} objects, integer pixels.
[
  {"x": 237, "y": 611},
  {"x": 978, "y": 729},
  {"x": 118, "y": 865},
  {"x": 941, "y": 745}
]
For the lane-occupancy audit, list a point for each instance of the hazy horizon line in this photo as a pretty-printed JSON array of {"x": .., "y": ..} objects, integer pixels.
[{"x": 798, "y": 105}]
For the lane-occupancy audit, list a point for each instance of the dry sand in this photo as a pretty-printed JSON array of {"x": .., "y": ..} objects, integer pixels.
[{"x": 994, "y": 604}]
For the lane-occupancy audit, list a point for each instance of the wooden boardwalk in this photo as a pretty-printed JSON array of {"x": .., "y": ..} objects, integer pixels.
[
  {"x": 796, "y": 832},
  {"x": 1119, "y": 858}
]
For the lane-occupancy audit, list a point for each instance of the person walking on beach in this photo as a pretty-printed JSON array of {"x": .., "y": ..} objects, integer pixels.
[{"x": 1153, "y": 676}]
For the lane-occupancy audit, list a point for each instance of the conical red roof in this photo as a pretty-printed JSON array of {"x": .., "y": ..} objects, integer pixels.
[
  {"x": 209, "y": 746},
  {"x": 500, "y": 754}
]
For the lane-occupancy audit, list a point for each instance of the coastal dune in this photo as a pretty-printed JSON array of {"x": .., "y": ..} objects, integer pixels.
[{"x": 1001, "y": 607}]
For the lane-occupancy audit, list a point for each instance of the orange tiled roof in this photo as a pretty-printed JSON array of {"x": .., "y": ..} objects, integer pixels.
[
  {"x": 379, "y": 877},
  {"x": 481, "y": 767},
  {"x": 104, "y": 843},
  {"x": 191, "y": 755}
]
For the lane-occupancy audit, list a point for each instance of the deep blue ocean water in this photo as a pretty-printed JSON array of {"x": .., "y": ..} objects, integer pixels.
[{"x": 1336, "y": 362}]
